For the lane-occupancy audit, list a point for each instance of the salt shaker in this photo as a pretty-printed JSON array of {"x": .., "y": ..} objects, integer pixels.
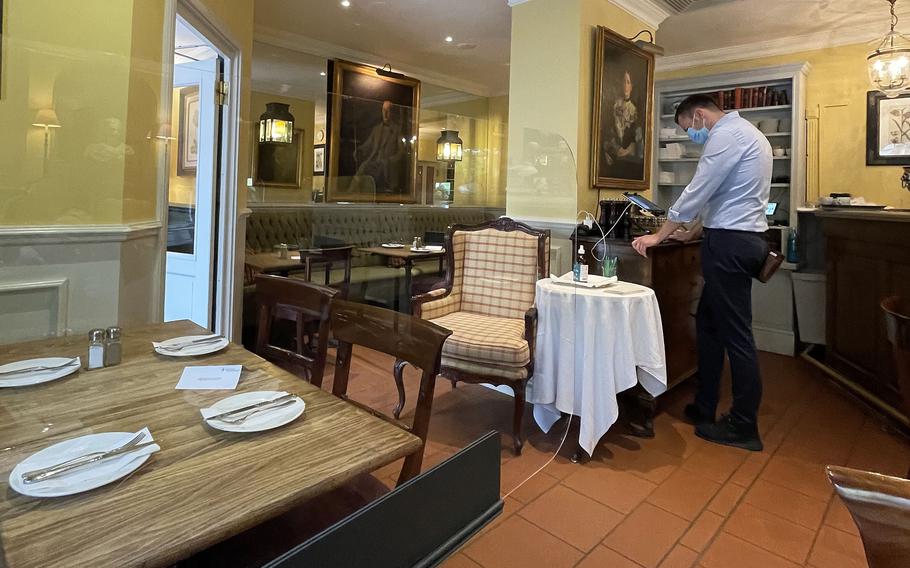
[
  {"x": 113, "y": 349},
  {"x": 95, "y": 349}
]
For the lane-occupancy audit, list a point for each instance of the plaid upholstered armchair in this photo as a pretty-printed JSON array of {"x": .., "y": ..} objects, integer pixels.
[{"x": 488, "y": 303}]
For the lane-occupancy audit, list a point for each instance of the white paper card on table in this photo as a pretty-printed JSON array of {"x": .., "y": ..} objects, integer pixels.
[
  {"x": 594, "y": 281},
  {"x": 210, "y": 377}
]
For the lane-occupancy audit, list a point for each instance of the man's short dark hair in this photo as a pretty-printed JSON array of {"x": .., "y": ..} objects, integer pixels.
[{"x": 689, "y": 104}]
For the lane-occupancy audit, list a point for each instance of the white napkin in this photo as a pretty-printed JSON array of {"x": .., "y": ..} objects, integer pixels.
[
  {"x": 594, "y": 281},
  {"x": 434, "y": 248},
  {"x": 211, "y": 411},
  {"x": 174, "y": 343},
  {"x": 86, "y": 474}
]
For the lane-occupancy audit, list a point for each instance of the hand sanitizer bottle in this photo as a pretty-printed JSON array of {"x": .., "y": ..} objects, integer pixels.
[{"x": 580, "y": 270}]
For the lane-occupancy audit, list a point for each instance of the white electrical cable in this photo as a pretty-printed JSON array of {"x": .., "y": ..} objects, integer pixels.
[
  {"x": 603, "y": 238},
  {"x": 548, "y": 462}
]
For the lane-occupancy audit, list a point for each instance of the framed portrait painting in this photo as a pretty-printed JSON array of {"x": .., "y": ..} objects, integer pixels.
[
  {"x": 887, "y": 130},
  {"x": 372, "y": 138},
  {"x": 188, "y": 135},
  {"x": 277, "y": 164},
  {"x": 319, "y": 159},
  {"x": 621, "y": 129}
]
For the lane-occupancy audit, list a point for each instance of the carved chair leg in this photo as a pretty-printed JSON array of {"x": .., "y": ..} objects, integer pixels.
[
  {"x": 398, "y": 373},
  {"x": 519, "y": 389}
]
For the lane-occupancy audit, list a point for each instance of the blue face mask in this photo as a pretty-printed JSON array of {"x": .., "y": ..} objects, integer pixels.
[{"x": 699, "y": 136}]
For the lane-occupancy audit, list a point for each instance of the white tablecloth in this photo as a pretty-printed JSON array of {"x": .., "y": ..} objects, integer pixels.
[{"x": 591, "y": 345}]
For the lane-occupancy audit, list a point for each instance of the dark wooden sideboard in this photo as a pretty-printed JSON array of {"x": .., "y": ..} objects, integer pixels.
[
  {"x": 868, "y": 258},
  {"x": 673, "y": 271}
]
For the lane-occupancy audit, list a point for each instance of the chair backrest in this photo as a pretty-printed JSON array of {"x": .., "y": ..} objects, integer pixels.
[
  {"x": 326, "y": 258},
  {"x": 496, "y": 265},
  {"x": 406, "y": 338},
  {"x": 897, "y": 323},
  {"x": 880, "y": 505},
  {"x": 419, "y": 523},
  {"x": 310, "y": 304}
]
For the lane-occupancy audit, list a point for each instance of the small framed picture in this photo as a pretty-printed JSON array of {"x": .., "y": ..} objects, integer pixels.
[
  {"x": 887, "y": 130},
  {"x": 188, "y": 136},
  {"x": 319, "y": 159}
]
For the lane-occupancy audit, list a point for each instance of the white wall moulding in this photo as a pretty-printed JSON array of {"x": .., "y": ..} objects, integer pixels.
[
  {"x": 303, "y": 44},
  {"x": 650, "y": 12},
  {"x": 61, "y": 234},
  {"x": 31, "y": 309},
  {"x": 771, "y": 47}
]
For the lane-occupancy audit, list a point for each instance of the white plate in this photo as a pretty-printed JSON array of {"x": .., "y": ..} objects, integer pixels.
[
  {"x": 37, "y": 377},
  {"x": 422, "y": 250},
  {"x": 192, "y": 350},
  {"x": 261, "y": 421},
  {"x": 392, "y": 245},
  {"x": 84, "y": 478}
]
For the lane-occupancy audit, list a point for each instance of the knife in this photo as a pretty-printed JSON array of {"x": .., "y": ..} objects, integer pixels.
[
  {"x": 32, "y": 477},
  {"x": 252, "y": 406}
]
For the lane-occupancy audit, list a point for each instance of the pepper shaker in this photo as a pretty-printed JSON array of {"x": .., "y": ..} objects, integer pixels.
[
  {"x": 113, "y": 349},
  {"x": 95, "y": 349}
]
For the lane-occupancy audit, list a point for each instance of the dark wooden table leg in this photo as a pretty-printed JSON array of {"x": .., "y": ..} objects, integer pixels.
[
  {"x": 643, "y": 408},
  {"x": 580, "y": 455},
  {"x": 408, "y": 264}
]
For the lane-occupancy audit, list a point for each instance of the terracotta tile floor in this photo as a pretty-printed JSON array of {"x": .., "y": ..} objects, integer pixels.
[{"x": 671, "y": 501}]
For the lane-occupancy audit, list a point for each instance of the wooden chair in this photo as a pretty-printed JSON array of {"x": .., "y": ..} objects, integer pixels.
[
  {"x": 326, "y": 258},
  {"x": 880, "y": 506},
  {"x": 488, "y": 303},
  {"x": 281, "y": 299},
  {"x": 404, "y": 337}
]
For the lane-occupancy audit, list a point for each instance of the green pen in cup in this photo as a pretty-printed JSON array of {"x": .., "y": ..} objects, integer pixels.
[{"x": 610, "y": 266}]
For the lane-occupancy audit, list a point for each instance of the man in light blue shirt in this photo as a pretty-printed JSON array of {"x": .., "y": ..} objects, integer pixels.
[{"x": 730, "y": 193}]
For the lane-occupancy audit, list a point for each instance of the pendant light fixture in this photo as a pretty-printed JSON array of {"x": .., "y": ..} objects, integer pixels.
[
  {"x": 276, "y": 124},
  {"x": 889, "y": 64},
  {"x": 449, "y": 147}
]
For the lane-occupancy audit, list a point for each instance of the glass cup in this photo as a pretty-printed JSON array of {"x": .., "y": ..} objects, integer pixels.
[{"x": 609, "y": 266}]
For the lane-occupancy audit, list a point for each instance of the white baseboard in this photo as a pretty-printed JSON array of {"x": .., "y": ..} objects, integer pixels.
[{"x": 778, "y": 341}]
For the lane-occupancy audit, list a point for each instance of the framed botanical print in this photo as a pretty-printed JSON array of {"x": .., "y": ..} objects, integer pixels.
[
  {"x": 319, "y": 159},
  {"x": 372, "y": 138},
  {"x": 887, "y": 130},
  {"x": 188, "y": 134},
  {"x": 277, "y": 164},
  {"x": 621, "y": 130}
]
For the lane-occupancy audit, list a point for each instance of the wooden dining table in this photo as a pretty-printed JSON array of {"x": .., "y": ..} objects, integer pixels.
[
  {"x": 203, "y": 486},
  {"x": 406, "y": 257}
]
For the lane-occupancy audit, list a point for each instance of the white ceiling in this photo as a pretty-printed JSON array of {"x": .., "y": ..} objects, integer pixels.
[
  {"x": 408, "y": 34},
  {"x": 714, "y": 24},
  {"x": 189, "y": 46}
]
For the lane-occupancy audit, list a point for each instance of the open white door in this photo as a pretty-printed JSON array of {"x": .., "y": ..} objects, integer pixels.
[{"x": 191, "y": 194}]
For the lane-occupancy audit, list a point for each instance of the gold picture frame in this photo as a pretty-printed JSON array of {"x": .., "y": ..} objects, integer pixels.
[
  {"x": 364, "y": 107},
  {"x": 621, "y": 128},
  {"x": 278, "y": 164}
]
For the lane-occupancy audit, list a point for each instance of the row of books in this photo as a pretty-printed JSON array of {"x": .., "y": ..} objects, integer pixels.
[{"x": 750, "y": 97}]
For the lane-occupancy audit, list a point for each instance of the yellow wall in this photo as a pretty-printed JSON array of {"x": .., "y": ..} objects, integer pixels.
[
  {"x": 304, "y": 114},
  {"x": 836, "y": 96},
  {"x": 551, "y": 90}
]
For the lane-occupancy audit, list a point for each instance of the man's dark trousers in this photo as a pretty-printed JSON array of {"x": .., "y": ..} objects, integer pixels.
[{"x": 729, "y": 261}]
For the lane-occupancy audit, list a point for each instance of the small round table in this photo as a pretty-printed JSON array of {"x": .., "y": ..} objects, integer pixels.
[{"x": 592, "y": 344}]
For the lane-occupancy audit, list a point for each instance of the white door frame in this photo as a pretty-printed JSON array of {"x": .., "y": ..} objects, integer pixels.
[{"x": 228, "y": 264}]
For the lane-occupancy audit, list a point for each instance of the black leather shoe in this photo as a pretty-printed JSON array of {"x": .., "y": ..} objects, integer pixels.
[
  {"x": 731, "y": 432},
  {"x": 695, "y": 415}
]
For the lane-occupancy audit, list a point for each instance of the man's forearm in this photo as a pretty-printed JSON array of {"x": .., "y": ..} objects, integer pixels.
[{"x": 666, "y": 230}]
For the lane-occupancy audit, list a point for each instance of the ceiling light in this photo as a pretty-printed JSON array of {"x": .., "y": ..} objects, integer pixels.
[
  {"x": 449, "y": 39},
  {"x": 449, "y": 147},
  {"x": 345, "y": 3},
  {"x": 276, "y": 124},
  {"x": 889, "y": 64},
  {"x": 322, "y": 73}
]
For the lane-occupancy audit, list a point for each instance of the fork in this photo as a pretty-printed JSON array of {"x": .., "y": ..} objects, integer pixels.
[
  {"x": 40, "y": 368},
  {"x": 85, "y": 457},
  {"x": 243, "y": 417},
  {"x": 195, "y": 342}
]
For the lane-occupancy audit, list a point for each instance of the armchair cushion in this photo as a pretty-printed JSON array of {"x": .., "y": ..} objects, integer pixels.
[
  {"x": 484, "y": 370},
  {"x": 485, "y": 340}
]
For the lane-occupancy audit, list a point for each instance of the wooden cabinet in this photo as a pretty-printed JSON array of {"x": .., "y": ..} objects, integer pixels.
[
  {"x": 868, "y": 259},
  {"x": 673, "y": 271}
]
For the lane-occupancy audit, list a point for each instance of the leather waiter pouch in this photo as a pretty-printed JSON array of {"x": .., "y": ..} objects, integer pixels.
[{"x": 772, "y": 263}]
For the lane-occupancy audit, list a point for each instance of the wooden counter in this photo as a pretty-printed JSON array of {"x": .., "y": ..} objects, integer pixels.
[{"x": 867, "y": 259}]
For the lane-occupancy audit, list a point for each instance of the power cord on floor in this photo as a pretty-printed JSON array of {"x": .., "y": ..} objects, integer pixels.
[{"x": 548, "y": 462}]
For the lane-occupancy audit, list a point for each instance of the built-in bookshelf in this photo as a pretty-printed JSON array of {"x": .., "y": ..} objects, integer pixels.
[{"x": 772, "y": 98}]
